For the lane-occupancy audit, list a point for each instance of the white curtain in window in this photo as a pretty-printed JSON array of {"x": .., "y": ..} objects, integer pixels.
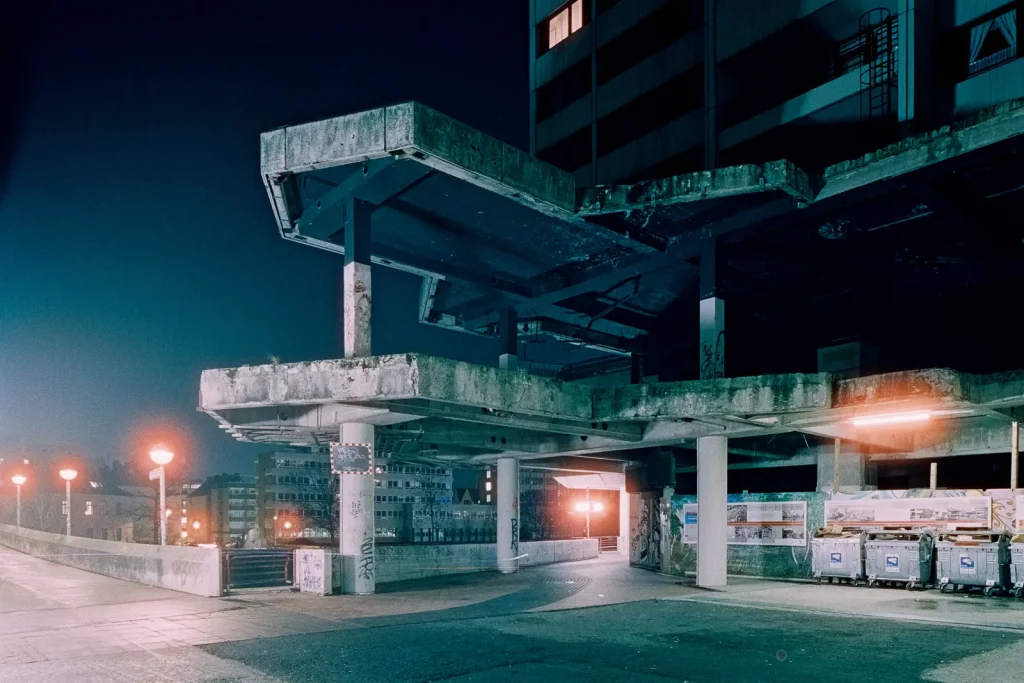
[
  {"x": 978, "y": 34},
  {"x": 1007, "y": 24}
]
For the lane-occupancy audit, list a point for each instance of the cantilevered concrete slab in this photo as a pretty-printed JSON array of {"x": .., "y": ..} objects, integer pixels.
[{"x": 448, "y": 410}]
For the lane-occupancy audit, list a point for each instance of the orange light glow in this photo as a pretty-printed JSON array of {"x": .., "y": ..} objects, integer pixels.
[
  {"x": 892, "y": 418},
  {"x": 19, "y": 479},
  {"x": 68, "y": 474}
]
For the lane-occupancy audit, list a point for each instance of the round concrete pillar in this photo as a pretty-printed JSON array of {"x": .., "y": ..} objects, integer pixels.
[
  {"x": 508, "y": 515},
  {"x": 356, "y": 519}
]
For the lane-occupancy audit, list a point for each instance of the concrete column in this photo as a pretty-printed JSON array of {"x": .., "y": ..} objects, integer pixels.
[
  {"x": 355, "y": 514},
  {"x": 712, "y": 473},
  {"x": 1014, "y": 452},
  {"x": 850, "y": 474},
  {"x": 623, "y": 521},
  {"x": 355, "y": 520},
  {"x": 712, "y": 315},
  {"x": 665, "y": 519},
  {"x": 915, "y": 89},
  {"x": 710, "y": 84},
  {"x": 933, "y": 476},
  {"x": 356, "y": 281},
  {"x": 508, "y": 327},
  {"x": 508, "y": 515}
]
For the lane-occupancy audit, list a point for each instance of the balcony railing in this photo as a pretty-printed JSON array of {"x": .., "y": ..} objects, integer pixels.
[{"x": 1004, "y": 55}]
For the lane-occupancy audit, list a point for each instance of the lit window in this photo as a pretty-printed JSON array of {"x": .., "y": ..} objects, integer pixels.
[
  {"x": 88, "y": 507},
  {"x": 488, "y": 474},
  {"x": 488, "y": 486},
  {"x": 488, "y": 498},
  {"x": 567, "y": 20}
]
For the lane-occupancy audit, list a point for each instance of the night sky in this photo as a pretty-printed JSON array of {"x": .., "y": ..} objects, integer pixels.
[{"x": 137, "y": 245}]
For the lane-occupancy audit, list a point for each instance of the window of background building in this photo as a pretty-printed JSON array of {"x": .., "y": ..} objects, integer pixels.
[
  {"x": 88, "y": 507},
  {"x": 993, "y": 41},
  {"x": 562, "y": 23}
]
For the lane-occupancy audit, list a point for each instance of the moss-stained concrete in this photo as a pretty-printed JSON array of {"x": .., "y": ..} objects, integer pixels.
[{"x": 763, "y": 394}]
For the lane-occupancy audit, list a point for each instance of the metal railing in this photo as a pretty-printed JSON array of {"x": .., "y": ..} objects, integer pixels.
[
  {"x": 608, "y": 544},
  {"x": 252, "y": 568},
  {"x": 1004, "y": 55}
]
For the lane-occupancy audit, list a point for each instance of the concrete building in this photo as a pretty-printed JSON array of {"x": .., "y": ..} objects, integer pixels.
[
  {"x": 295, "y": 495},
  {"x": 223, "y": 510},
  {"x": 861, "y": 243},
  {"x": 179, "y": 515},
  {"x": 412, "y": 502},
  {"x": 627, "y": 90}
]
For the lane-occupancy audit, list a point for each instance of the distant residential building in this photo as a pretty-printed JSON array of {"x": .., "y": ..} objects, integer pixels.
[
  {"x": 295, "y": 496},
  {"x": 223, "y": 510},
  {"x": 179, "y": 530}
]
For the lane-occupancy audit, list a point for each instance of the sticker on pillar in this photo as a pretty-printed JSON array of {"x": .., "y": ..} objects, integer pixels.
[
  {"x": 835, "y": 559},
  {"x": 351, "y": 458},
  {"x": 967, "y": 567},
  {"x": 892, "y": 564}
]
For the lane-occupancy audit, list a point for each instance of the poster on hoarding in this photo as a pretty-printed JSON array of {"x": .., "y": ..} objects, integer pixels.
[
  {"x": 777, "y": 523},
  {"x": 1019, "y": 512},
  {"x": 964, "y": 511}
]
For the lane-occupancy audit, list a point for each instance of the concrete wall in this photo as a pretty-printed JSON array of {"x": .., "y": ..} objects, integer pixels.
[
  {"x": 403, "y": 562},
  {"x": 189, "y": 570}
]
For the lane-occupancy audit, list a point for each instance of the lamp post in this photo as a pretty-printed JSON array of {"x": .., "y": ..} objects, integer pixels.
[
  {"x": 18, "y": 480},
  {"x": 67, "y": 475},
  {"x": 161, "y": 456}
]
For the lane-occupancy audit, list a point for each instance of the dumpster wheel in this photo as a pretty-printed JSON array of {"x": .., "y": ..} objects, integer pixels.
[
  {"x": 1019, "y": 593},
  {"x": 989, "y": 591}
]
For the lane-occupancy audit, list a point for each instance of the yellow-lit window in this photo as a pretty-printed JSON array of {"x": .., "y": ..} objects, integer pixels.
[
  {"x": 488, "y": 486},
  {"x": 561, "y": 24},
  {"x": 558, "y": 27}
]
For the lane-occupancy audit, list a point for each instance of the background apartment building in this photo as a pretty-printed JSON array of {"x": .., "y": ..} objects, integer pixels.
[
  {"x": 624, "y": 90},
  {"x": 223, "y": 510}
]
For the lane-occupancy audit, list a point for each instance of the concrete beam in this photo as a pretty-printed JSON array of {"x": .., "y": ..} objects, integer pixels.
[
  {"x": 990, "y": 127},
  {"x": 414, "y": 130},
  {"x": 729, "y": 396},
  {"x": 731, "y": 181}
]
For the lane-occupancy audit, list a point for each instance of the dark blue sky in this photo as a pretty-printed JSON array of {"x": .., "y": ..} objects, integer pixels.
[{"x": 137, "y": 245}]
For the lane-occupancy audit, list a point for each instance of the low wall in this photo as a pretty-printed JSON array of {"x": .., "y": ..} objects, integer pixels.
[
  {"x": 404, "y": 562},
  {"x": 189, "y": 570}
]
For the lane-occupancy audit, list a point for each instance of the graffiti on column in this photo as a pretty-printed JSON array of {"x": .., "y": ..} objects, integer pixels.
[
  {"x": 515, "y": 536},
  {"x": 366, "y": 558},
  {"x": 712, "y": 358},
  {"x": 648, "y": 529}
]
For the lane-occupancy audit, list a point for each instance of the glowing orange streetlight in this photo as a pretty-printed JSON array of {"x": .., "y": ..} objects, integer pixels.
[
  {"x": 67, "y": 474},
  {"x": 18, "y": 480},
  {"x": 161, "y": 455}
]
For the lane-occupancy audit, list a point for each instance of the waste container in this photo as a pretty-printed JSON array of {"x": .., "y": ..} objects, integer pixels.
[
  {"x": 898, "y": 556},
  {"x": 838, "y": 553},
  {"x": 1017, "y": 565},
  {"x": 965, "y": 559}
]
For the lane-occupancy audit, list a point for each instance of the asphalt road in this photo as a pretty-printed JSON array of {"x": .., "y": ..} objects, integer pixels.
[{"x": 640, "y": 641}]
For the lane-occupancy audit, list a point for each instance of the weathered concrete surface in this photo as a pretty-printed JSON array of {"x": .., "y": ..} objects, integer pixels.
[
  {"x": 719, "y": 183},
  {"x": 432, "y": 138},
  {"x": 404, "y": 562},
  {"x": 188, "y": 570},
  {"x": 765, "y": 394},
  {"x": 1001, "y": 123},
  {"x": 930, "y": 386}
]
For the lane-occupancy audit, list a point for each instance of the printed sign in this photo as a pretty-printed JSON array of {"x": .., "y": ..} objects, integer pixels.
[
  {"x": 351, "y": 458},
  {"x": 963, "y": 511},
  {"x": 1019, "y": 512},
  {"x": 892, "y": 564},
  {"x": 967, "y": 567},
  {"x": 835, "y": 559},
  {"x": 781, "y": 523}
]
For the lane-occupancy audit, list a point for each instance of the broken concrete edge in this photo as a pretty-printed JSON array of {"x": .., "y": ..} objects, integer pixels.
[
  {"x": 394, "y": 378},
  {"x": 729, "y": 181},
  {"x": 416, "y": 131},
  {"x": 496, "y": 392},
  {"x": 988, "y": 127}
]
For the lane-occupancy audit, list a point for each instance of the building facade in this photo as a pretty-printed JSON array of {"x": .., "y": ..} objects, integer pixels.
[
  {"x": 222, "y": 511},
  {"x": 626, "y": 90}
]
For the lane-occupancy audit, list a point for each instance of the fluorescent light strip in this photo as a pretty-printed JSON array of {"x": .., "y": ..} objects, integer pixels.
[{"x": 891, "y": 418}]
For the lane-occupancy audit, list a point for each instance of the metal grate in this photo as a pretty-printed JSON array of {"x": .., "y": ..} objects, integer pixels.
[
  {"x": 252, "y": 568},
  {"x": 878, "y": 72}
]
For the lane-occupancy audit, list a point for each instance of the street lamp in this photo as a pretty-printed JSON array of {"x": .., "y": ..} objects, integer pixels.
[
  {"x": 161, "y": 456},
  {"x": 67, "y": 475},
  {"x": 18, "y": 480}
]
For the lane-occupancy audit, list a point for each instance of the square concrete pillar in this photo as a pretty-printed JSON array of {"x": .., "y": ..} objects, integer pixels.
[
  {"x": 712, "y": 473},
  {"x": 508, "y": 515},
  {"x": 623, "y": 521}
]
